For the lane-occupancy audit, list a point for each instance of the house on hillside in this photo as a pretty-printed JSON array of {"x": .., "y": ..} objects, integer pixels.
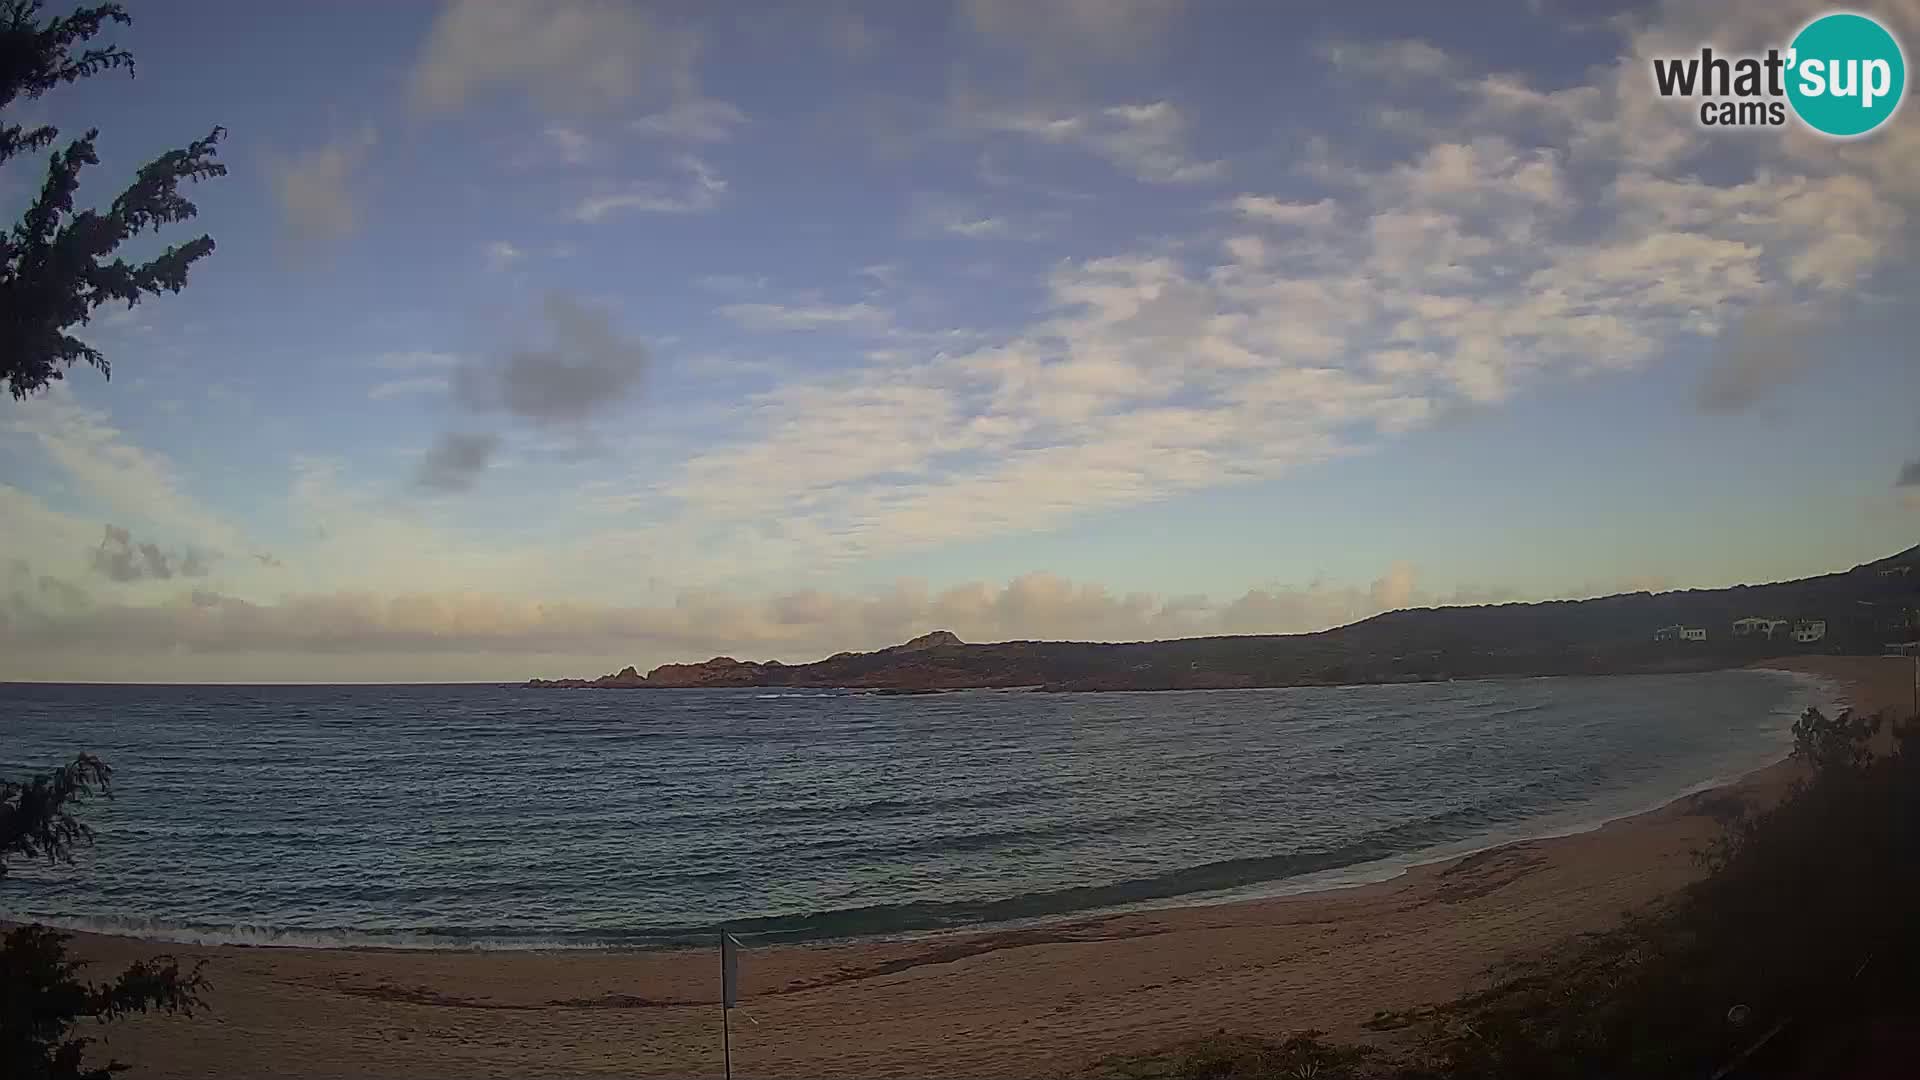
[
  {"x": 1678, "y": 632},
  {"x": 1755, "y": 626},
  {"x": 1808, "y": 631},
  {"x": 1693, "y": 633},
  {"x": 1899, "y": 572}
]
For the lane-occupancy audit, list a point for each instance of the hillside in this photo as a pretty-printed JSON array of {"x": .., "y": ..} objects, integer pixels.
[{"x": 1863, "y": 608}]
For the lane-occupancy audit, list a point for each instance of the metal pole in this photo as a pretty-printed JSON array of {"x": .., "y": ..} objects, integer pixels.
[{"x": 726, "y": 1033}]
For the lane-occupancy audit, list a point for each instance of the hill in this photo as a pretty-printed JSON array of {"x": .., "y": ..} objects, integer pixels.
[{"x": 1861, "y": 610}]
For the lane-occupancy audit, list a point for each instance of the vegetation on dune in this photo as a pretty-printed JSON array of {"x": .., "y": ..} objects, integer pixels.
[{"x": 1793, "y": 955}]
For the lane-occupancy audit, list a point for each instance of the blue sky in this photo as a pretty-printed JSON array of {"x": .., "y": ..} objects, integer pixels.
[{"x": 546, "y": 338}]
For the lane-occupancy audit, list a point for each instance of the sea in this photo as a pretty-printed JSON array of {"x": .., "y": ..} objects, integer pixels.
[{"x": 495, "y": 817}]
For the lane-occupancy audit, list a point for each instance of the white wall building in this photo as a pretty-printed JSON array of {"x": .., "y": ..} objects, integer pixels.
[
  {"x": 1807, "y": 631},
  {"x": 1756, "y": 626}
]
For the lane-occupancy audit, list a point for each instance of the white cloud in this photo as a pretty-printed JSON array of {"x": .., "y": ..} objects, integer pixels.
[
  {"x": 698, "y": 190},
  {"x": 1404, "y": 59},
  {"x": 955, "y": 216},
  {"x": 567, "y": 54},
  {"x": 1247, "y": 250},
  {"x": 883, "y": 275},
  {"x": 984, "y": 226},
  {"x": 315, "y": 188},
  {"x": 1468, "y": 269},
  {"x": 1271, "y": 211},
  {"x": 1148, "y": 140},
  {"x": 501, "y": 255},
  {"x": 1072, "y": 31},
  {"x": 131, "y": 484},
  {"x": 767, "y": 316},
  {"x": 52, "y": 541},
  {"x": 570, "y": 145},
  {"x": 393, "y": 388},
  {"x": 694, "y": 121},
  {"x": 1477, "y": 174}
]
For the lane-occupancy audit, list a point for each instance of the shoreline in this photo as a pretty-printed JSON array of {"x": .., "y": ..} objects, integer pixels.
[{"x": 1006, "y": 1000}]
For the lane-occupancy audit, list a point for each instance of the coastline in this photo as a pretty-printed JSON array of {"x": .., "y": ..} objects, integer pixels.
[{"x": 1010, "y": 1001}]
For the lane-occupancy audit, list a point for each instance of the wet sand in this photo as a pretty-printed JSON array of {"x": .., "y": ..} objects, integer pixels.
[{"x": 986, "y": 1004}]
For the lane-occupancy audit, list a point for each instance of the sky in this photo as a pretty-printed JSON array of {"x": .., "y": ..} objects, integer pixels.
[{"x": 544, "y": 338}]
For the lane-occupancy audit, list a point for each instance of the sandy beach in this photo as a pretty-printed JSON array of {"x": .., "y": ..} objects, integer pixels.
[{"x": 986, "y": 1004}]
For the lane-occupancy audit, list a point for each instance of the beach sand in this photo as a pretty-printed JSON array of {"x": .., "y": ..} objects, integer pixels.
[{"x": 986, "y": 1004}]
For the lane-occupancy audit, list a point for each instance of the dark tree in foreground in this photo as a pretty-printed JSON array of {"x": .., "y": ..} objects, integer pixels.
[
  {"x": 58, "y": 264},
  {"x": 42, "y": 995}
]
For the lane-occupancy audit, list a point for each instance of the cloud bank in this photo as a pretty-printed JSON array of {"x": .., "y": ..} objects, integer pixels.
[
  {"x": 209, "y": 633},
  {"x": 569, "y": 55}
]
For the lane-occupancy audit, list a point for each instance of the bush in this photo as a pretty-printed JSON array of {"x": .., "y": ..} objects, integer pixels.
[
  {"x": 42, "y": 996},
  {"x": 1300, "y": 1056}
]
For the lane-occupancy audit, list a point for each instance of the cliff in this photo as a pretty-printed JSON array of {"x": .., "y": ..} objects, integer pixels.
[{"x": 1863, "y": 609}]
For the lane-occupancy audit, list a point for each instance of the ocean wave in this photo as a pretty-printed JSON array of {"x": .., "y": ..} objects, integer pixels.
[
  {"x": 776, "y": 697},
  {"x": 823, "y": 843},
  {"x": 431, "y": 939},
  {"x": 874, "y": 920}
]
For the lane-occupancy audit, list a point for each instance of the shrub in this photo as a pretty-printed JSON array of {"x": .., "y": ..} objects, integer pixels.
[{"x": 42, "y": 996}]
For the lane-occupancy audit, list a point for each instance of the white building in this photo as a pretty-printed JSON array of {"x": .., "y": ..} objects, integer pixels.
[
  {"x": 1678, "y": 632},
  {"x": 1755, "y": 626},
  {"x": 1693, "y": 633},
  {"x": 1807, "y": 631}
]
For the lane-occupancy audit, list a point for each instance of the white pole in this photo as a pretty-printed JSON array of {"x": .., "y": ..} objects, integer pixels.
[{"x": 726, "y": 1005}]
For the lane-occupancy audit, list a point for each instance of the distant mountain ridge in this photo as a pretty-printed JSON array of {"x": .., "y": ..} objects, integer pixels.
[{"x": 1863, "y": 610}]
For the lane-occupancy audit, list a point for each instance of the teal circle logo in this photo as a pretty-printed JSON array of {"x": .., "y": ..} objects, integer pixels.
[{"x": 1846, "y": 75}]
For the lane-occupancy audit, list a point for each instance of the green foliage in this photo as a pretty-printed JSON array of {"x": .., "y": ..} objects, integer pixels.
[
  {"x": 42, "y": 995},
  {"x": 35, "y": 819},
  {"x": 1843, "y": 744},
  {"x": 57, "y": 264}
]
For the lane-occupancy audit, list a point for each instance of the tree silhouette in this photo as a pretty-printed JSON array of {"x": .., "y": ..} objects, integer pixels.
[
  {"x": 57, "y": 264},
  {"x": 41, "y": 993}
]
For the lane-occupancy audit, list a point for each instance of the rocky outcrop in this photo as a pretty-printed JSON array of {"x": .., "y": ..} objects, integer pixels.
[
  {"x": 626, "y": 678},
  {"x": 935, "y": 640},
  {"x": 719, "y": 671}
]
